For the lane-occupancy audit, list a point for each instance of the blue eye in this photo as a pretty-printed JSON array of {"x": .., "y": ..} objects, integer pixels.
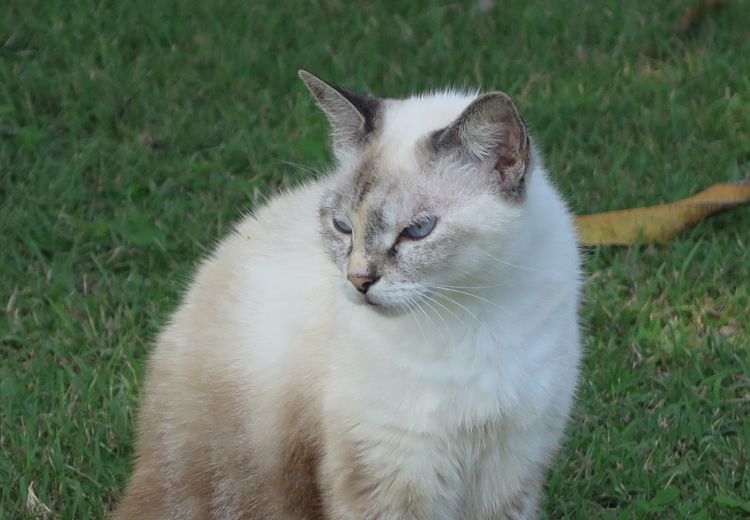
[
  {"x": 420, "y": 229},
  {"x": 342, "y": 226}
]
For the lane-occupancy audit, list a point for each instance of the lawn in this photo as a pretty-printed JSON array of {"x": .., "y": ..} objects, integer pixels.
[{"x": 132, "y": 134}]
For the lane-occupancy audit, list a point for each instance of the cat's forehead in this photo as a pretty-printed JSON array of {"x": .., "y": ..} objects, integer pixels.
[
  {"x": 396, "y": 146},
  {"x": 406, "y": 121},
  {"x": 393, "y": 173},
  {"x": 375, "y": 182}
]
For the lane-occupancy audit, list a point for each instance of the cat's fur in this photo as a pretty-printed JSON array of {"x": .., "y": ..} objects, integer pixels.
[{"x": 278, "y": 391}]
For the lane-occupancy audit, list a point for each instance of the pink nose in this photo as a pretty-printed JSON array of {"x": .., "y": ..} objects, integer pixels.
[{"x": 362, "y": 281}]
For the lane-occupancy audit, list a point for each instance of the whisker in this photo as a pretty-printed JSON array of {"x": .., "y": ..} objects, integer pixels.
[
  {"x": 464, "y": 286},
  {"x": 447, "y": 328},
  {"x": 524, "y": 268},
  {"x": 460, "y": 320},
  {"x": 478, "y": 298},
  {"x": 303, "y": 167},
  {"x": 453, "y": 300},
  {"x": 412, "y": 307},
  {"x": 429, "y": 318}
]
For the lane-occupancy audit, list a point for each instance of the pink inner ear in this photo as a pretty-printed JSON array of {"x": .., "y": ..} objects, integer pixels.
[
  {"x": 512, "y": 152},
  {"x": 504, "y": 162},
  {"x": 507, "y": 157}
]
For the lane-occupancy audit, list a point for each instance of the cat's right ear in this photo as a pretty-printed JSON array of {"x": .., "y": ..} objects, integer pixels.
[{"x": 352, "y": 116}]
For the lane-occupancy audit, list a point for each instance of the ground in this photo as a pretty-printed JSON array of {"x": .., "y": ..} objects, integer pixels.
[{"x": 132, "y": 134}]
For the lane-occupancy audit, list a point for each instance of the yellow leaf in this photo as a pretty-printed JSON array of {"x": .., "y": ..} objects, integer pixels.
[{"x": 659, "y": 224}]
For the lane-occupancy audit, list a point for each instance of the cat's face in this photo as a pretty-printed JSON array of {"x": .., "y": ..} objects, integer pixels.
[
  {"x": 411, "y": 211},
  {"x": 399, "y": 236}
]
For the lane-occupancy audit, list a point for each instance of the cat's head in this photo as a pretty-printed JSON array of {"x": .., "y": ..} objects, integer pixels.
[{"x": 425, "y": 194}]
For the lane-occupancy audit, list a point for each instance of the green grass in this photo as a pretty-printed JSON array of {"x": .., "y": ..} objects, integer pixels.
[{"x": 133, "y": 133}]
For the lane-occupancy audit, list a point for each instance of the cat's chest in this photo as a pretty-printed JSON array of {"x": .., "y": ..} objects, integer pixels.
[
  {"x": 395, "y": 382},
  {"x": 460, "y": 473}
]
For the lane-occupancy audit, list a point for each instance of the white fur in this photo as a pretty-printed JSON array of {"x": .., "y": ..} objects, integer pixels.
[{"x": 462, "y": 406}]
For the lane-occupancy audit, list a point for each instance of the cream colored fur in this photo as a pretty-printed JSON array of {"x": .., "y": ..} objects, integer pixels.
[{"x": 453, "y": 410}]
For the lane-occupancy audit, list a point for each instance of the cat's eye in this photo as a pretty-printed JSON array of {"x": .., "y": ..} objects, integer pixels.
[
  {"x": 420, "y": 229},
  {"x": 341, "y": 226}
]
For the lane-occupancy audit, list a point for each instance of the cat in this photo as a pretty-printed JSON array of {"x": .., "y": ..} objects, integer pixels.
[{"x": 396, "y": 340}]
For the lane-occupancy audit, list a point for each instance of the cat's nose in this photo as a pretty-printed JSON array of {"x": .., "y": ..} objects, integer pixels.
[{"x": 362, "y": 281}]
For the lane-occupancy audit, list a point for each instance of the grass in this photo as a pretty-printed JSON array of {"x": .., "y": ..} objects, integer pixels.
[{"x": 132, "y": 134}]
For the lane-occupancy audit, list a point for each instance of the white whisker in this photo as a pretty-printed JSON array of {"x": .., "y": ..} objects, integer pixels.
[
  {"x": 464, "y": 286},
  {"x": 434, "y": 326},
  {"x": 508, "y": 263},
  {"x": 447, "y": 328},
  {"x": 412, "y": 307},
  {"x": 460, "y": 320},
  {"x": 453, "y": 300},
  {"x": 303, "y": 167},
  {"x": 472, "y": 295}
]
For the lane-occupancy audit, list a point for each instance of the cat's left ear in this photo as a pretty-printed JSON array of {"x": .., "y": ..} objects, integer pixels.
[
  {"x": 490, "y": 130},
  {"x": 352, "y": 116}
]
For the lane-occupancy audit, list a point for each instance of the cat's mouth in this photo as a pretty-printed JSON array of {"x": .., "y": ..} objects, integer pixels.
[
  {"x": 384, "y": 308},
  {"x": 383, "y": 301},
  {"x": 371, "y": 301}
]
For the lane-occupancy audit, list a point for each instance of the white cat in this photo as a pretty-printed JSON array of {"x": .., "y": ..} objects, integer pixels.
[{"x": 397, "y": 340}]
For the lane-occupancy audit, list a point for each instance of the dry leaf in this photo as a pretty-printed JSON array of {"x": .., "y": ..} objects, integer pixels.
[
  {"x": 659, "y": 224},
  {"x": 34, "y": 506}
]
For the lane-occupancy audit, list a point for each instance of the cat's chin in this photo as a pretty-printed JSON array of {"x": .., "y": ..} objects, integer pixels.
[
  {"x": 385, "y": 310},
  {"x": 376, "y": 304}
]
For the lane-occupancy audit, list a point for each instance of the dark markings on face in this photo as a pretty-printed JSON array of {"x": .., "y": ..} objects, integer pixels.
[
  {"x": 367, "y": 105},
  {"x": 329, "y": 204},
  {"x": 333, "y": 241},
  {"x": 443, "y": 140},
  {"x": 373, "y": 270},
  {"x": 363, "y": 189},
  {"x": 364, "y": 179},
  {"x": 375, "y": 227}
]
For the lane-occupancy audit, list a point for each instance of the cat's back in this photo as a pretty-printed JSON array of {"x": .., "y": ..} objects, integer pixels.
[
  {"x": 265, "y": 277},
  {"x": 251, "y": 306}
]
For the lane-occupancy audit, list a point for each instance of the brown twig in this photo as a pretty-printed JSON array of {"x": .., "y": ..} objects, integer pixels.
[{"x": 695, "y": 15}]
